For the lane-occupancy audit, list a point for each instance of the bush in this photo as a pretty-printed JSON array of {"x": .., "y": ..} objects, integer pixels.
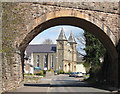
[
  {"x": 61, "y": 72},
  {"x": 67, "y": 72},
  {"x": 87, "y": 66},
  {"x": 44, "y": 71},
  {"x": 58, "y": 72},
  {"x": 39, "y": 73},
  {"x": 50, "y": 70},
  {"x": 27, "y": 73}
]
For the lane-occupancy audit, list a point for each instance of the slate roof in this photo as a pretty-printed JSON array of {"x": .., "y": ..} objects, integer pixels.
[
  {"x": 62, "y": 35},
  {"x": 41, "y": 48}
]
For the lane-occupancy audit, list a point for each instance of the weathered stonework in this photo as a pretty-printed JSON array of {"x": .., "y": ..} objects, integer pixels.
[
  {"x": 29, "y": 19},
  {"x": 0, "y": 47},
  {"x": 11, "y": 58},
  {"x": 101, "y": 18},
  {"x": 110, "y": 7},
  {"x": 32, "y": 79}
]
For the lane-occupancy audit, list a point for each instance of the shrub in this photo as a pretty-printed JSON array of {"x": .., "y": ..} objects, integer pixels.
[
  {"x": 58, "y": 72},
  {"x": 39, "y": 73},
  {"x": 67, "y": 72},
  {"x": 44, "y": 71},
  {"x": 50, "y": 70},
  {"x": 61, "y": 72},
  {"x": 27, "y": 73}
]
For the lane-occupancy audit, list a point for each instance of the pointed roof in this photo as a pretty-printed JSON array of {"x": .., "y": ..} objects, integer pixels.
[
  {"x": 62, "y": 35},
  {"x": 71, "y": 38}
]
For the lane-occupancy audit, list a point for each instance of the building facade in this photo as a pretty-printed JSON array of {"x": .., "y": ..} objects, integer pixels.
[
  {"x": 60, "y": 56},
  {"x": 41, "y": 56},
  {"x": 66, "y": 53}
]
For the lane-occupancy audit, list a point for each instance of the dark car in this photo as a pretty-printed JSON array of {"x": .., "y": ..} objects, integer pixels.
[{"x": 72, "y": 74}]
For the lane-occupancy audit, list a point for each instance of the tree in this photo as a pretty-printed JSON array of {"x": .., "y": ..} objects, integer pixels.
[
  {"x": 47, "y": 41},
  {"x": 94, "y": 51},
  {"x": 80, "y": 39}
]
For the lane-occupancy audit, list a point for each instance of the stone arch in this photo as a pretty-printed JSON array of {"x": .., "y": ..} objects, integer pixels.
[
  {"x": 73, "y": 18},
  {"x": 72, "y": 13},
  {"x": 68, "y": 14}
]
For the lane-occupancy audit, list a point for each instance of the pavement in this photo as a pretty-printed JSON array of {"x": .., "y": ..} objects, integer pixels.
[{"x": 60, "y": 83}]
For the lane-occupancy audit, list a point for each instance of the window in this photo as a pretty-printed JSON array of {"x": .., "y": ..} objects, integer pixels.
[
  {"x": 29, "y": 59},
  {"x": 52, "y": 61},
  {"x": 60, "y": 67},
  {"x": 37, "y": 60},
  {"x": 45, "y": 63}
]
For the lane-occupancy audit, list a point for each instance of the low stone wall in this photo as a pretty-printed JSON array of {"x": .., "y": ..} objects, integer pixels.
[
  {"x": 49, "y": 73},
  {"x": 32, "y": 79}
]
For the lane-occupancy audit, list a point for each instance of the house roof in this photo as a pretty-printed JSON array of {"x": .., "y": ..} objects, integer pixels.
[{"x": 41, "y": 48}]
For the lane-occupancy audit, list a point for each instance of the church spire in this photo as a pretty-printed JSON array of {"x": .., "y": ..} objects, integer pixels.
[
  {"x": 62, "y": 35},
  {"x": 71, "y": 38}
]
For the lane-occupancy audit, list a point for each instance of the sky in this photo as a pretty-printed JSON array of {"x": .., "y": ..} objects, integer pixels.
[{"x": 53, "y": 33}]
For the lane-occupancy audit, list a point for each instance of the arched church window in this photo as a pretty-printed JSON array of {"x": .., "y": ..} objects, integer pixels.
[
  {"x": 37, "y": 60},
  {"x": 52, "y": 61}
]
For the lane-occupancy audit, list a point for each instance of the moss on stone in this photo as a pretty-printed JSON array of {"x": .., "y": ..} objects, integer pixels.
[{"x": 11, "y": 20}]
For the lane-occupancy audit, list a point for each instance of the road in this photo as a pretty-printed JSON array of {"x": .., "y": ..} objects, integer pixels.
[{"x": 59, "y": 83}]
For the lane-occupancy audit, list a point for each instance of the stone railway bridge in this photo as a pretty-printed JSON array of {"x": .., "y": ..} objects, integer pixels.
[{"x": 23, "y": 21}]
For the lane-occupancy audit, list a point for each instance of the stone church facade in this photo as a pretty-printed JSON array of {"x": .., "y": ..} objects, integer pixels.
[
  {"x": 60, "y": 56},
  {"x": 66, "y": 52}
]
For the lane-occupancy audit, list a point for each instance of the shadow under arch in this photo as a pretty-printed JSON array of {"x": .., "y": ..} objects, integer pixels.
[{"x": 78, "y": 22}]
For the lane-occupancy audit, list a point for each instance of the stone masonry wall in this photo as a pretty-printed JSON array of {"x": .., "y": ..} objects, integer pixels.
[
  {"x": 17, "y": 21},
  {"x": 32, "y": 79},
  {"x": 106, "y": 12},
  {"x": 108, "y": 7},
  {"x": 11, "y": 58},
  {"x": 0, "y": 47}
]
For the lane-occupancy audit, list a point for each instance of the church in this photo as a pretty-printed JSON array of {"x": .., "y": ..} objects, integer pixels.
[{"x": 60, "y": 56}]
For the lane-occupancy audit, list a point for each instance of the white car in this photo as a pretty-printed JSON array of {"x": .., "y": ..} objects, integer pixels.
[
  {"x": 79, "y": 74},
  {"x": 55, "y": 73}
]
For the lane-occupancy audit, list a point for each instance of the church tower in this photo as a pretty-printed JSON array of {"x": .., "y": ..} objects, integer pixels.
[
  {"x": 73, "y": 43},
  {"x": 61, "y": 42}
]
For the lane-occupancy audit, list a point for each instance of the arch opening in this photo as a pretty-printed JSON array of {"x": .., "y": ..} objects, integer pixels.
[
  {"x": 78, "y": 22},
  {"x": 73, "y": 21}
]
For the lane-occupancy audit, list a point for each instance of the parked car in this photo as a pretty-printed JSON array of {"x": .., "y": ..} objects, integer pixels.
[
  {"x": 78, "y": 74},
  {"x": 55, "y": 72},
  {"x": 71, "y": 74}
]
